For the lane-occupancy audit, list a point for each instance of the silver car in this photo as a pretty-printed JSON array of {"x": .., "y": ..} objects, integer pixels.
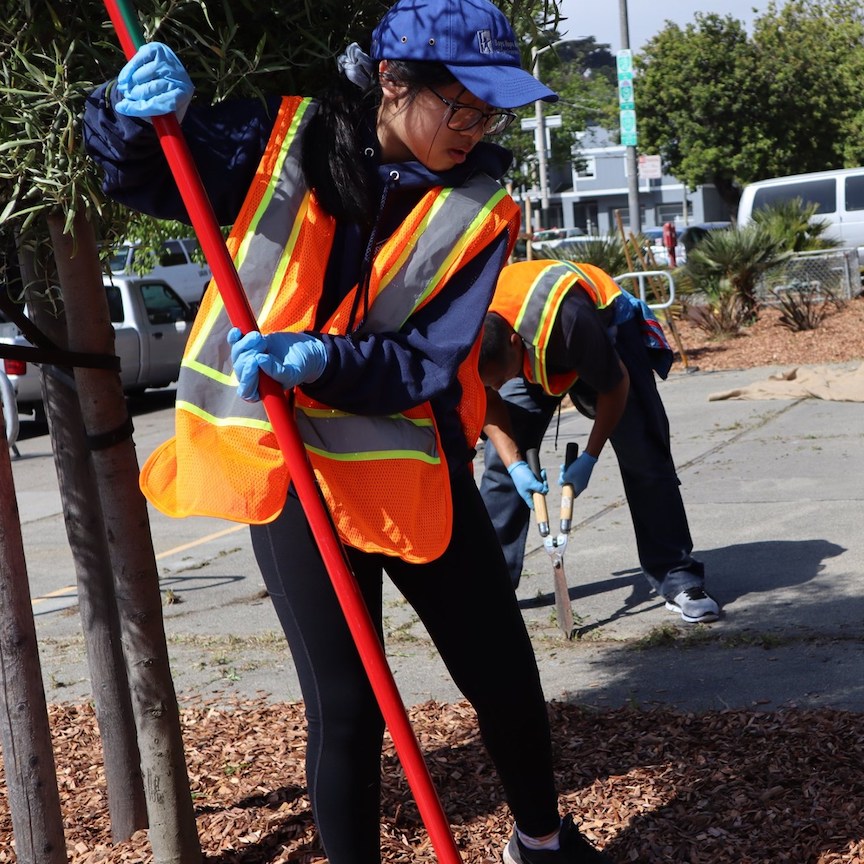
[{"x": 160, "y": 342}]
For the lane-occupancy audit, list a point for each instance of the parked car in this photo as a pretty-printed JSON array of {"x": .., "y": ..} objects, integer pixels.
[
  {"x": 551, "y": 238},
  {"x": 24, "y": 377},
  {"x": 688, "y": 237},
  {"x": 179, "y": 264},
  {"x": 151, "y": 325}
]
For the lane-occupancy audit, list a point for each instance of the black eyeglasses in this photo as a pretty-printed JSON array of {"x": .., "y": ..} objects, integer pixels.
[{"x": 461, "y": 118}]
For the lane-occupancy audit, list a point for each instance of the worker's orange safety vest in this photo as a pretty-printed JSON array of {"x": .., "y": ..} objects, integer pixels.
[
  {"x": 529, "y": 295},
  {"x": 385, "y": 479}
]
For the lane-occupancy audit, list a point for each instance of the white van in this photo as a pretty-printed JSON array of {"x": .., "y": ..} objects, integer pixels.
[{"x": 839, "y": 195}]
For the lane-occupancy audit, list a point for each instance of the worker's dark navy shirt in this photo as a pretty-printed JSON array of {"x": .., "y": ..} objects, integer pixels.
[{"x": 580, "y": 342}]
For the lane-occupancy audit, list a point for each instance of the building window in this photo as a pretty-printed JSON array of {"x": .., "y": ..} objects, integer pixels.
[
  {"x": 586, "y": 168},
  {"x": 669, "y": 213}
]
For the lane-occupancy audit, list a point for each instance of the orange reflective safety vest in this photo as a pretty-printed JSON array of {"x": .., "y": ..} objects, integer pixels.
[
  {"x": 529, "y": 295},
  {"x": 385, "y": 479}
]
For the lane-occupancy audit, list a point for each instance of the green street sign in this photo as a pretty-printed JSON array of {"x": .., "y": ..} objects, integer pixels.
[
  {"x": 628, "y": 120},
  {"x": 626, "y": 99},
  {"x": 624, "y": 63}
]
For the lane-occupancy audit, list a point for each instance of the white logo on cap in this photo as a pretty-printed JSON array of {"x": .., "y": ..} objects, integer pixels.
[{"x": 484, "y": 41}]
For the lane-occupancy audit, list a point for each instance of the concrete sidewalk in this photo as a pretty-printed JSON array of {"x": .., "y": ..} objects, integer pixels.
[{"x": 775, "y": 498}]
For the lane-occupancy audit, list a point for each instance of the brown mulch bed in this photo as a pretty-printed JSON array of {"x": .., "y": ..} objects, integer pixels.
[
  {"x": 748, "y": 787},
  {"x": 838, "y": 339}
]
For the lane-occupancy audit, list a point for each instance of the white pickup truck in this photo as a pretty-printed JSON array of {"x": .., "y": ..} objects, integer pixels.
[{"x": 151, "y": 325}]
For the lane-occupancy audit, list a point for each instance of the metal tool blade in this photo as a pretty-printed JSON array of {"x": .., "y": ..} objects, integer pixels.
[{"x": 563, "y": 609}]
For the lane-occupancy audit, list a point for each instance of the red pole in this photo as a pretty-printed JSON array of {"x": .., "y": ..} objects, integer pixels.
[{"x": 278, "y": 409}]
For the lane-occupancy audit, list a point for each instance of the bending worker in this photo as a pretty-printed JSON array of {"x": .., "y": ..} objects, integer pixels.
[{"x": 557, "y": 327}]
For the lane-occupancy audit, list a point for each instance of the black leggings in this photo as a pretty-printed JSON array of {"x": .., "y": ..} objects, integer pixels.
[{"x": 467, "y": 603}]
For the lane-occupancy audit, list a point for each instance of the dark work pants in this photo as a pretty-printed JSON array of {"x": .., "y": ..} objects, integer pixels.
[
  {"x": 642, "y": 447},
  {"x": 468, "y": 606}
]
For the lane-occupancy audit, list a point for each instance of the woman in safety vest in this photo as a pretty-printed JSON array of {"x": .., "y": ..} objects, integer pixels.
[{"x": 369, "y": 229}]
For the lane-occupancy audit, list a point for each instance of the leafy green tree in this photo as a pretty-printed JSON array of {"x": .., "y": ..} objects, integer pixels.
[
  {"x": 723, "y": 108},
  {"x": 586, "y": 81},
  {"x": 582, "y": 72},
  {"x": 695, "y": 101},
  {"x": 810, "y": 64}
]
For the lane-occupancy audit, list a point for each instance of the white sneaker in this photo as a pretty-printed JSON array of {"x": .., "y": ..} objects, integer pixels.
[{"x": 694, "y": 605}]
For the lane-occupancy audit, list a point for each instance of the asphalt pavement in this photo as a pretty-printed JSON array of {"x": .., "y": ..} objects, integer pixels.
[{"x": 775, "y": 499}]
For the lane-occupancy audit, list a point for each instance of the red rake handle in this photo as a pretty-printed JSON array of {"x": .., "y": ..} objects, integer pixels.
[{"x": 278, "y": 408}]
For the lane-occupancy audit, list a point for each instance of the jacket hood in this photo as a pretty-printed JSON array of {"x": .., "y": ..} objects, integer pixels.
[{"x": 491, "y": 159}]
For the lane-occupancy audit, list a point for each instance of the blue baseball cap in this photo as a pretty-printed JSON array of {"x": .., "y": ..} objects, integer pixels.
[{"x": 472, "y": 38}]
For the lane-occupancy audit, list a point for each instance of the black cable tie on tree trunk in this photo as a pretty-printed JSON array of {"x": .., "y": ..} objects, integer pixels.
[
  {"x": 108, "y": 439},
  {"x": 58, "y": 357},
  {"x": 43, "y": 350}
]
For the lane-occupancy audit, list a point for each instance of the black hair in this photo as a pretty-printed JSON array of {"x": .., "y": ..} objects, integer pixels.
[
  {"x": 495, "y": 341},
  {"x": 333, "y": 162}
]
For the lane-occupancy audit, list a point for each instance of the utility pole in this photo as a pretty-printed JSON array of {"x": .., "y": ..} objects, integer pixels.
[
  {"x": 632, "y": 167},
  {"x": 540, "y": 142}
]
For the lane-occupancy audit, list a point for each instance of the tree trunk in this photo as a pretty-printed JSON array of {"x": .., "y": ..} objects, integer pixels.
[
  {"x": 85, "y": 530},
  {"x": 173, "y": 834},
  {"x": 31, "y": 776}
]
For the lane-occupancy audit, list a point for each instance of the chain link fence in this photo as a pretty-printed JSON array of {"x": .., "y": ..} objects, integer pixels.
[{"x": 825, "y": 273}]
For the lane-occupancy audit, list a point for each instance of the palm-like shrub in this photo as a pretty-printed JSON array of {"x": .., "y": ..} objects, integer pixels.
[
  {"x": 606, "y": 252},
  {"x": 725, "y": 268},
  {"x": 793, "y": 224}
]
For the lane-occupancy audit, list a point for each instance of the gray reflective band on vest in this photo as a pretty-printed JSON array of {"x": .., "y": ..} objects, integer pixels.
[
  {"x": 532, "y": 316},
  {"x": 357, "y": 437},
  {"x": 396, "y": 301},
  {"x": 270, "y": 237}
]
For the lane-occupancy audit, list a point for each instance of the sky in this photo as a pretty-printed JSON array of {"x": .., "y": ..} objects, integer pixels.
[{"x": 645, "y": 18}]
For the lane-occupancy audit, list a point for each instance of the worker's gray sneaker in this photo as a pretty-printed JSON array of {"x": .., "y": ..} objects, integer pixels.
[
  {"x": 694, "y": 605},
  {"x": 575, "y": 849}
]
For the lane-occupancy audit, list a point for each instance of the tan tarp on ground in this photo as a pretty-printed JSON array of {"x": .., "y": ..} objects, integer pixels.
[{"x": 821, "y": 382}]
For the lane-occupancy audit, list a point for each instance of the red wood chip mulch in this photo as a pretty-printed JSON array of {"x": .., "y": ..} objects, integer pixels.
[{"x": 647, "y": 786}]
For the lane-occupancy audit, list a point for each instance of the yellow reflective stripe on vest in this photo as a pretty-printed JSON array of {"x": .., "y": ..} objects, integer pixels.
[
  {"x": 198, "y": 411},
  {"x": 601, "y": 300}
]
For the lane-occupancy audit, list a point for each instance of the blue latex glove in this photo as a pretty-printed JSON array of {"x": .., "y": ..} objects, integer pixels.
[
  {"x": 526, "y": 481},
  {"x": 289, "y": 358},
  {"x": 578, "y": 473},
  {"x": 153, "y": 83}
]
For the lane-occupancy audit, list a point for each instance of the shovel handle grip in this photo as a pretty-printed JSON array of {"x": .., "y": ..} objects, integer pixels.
[
  {"x": 570, "y": 456},
  {"x": 532, "y": 457}
]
